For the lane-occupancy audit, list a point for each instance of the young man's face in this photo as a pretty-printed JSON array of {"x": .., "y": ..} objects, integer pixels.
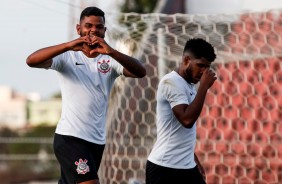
[
  {"x": 92, "y": 26},
  {"x": 194, "y": 69}
]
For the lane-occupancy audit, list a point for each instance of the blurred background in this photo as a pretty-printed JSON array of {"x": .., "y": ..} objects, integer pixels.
[{"x": 239, "y": 133}]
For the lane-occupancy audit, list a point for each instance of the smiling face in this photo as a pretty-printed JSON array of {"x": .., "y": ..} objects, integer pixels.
[
  {"x": 91, "y": 26},
  {"x": 192, "y": 69}
]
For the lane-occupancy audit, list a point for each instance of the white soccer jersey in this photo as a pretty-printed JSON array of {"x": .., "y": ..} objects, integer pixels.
[
  {"x": 175, "y": 144},
  {"x": 85, "y": 86}
]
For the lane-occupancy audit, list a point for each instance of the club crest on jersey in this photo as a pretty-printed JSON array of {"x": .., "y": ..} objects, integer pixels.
[
  {"x": 103, "y": 66},
  {"x": 82, "y": 167}
]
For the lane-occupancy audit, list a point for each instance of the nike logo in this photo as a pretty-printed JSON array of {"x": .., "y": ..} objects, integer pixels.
[{"x": 76, "y": 63}]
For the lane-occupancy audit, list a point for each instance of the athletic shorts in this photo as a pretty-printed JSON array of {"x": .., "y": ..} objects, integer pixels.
[
  {"x": 79, "y": 159},
  {"x": 156, "y": 174}
]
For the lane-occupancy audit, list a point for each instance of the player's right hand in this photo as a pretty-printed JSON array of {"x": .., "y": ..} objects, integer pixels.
[
  {"x": 208, "y": 78},
  {"x": 78, "y": 44}
]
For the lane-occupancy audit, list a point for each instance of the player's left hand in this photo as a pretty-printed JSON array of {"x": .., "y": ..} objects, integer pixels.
[{"x": 99, "y": 45}]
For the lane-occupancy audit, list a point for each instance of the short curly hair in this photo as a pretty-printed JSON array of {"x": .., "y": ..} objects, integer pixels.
[
  {"x": 92, "y": 11},
  {"x": 199, "y": 48}
]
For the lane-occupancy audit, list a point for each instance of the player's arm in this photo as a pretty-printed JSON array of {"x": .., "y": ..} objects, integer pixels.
[
  {"x": 188, "y": 114},
  {"x": 132, "y": 66},
  {"x": 42, "y": 58}
]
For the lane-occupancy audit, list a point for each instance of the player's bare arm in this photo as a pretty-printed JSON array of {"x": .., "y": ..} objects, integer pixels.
[
  {"x": 132, "y": 67},
  {"x": 188, "y": 114},
  {"x": 42, "y": 58}
]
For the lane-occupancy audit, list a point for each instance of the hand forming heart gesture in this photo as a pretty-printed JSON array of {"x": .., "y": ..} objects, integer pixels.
[
  {"x": 91, "y": 46},
  {"x": 98, "y": 45}
]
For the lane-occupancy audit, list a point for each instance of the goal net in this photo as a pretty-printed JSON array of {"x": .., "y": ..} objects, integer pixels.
[{"x": 239, "y": 132}]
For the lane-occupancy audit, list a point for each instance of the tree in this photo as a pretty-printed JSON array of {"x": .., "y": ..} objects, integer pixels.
[{"x": 138, "y": 6}]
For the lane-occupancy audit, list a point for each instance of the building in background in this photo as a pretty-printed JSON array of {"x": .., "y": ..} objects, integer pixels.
[
  {"x": 20, "y": 111},
  {"x": 12, "y": 108},
  {"x": 45, "y": 112}
]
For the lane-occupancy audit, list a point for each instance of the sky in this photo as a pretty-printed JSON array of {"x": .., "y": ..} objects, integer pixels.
[
  {"x": 230, "y": 6},
  {"x": 28, "y": 25}
]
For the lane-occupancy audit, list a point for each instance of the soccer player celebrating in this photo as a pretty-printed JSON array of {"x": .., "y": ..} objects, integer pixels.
[{"x": 87, "y": 68}]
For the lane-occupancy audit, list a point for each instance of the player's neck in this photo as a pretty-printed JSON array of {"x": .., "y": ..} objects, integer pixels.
[
  {"x": 87, "y": 50},
  {"x": 184, "y": 75}
]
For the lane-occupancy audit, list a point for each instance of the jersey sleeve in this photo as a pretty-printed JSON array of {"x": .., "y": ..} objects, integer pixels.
[
  {"x": 58, "y": 62},
  {"x": 173, "y": 92}
]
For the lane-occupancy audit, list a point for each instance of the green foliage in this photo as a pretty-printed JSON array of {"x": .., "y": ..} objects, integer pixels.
[
  {"x": 28, "y": 148},
  {"x": 57, "y": 95},
  {"x": 6, "y": 132},
  {"x": 40, "y": 131},
  {"x": 139, "y": 6},
  {"x": 32, "y": 148},
  {"x": 22, "y": 171}
]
